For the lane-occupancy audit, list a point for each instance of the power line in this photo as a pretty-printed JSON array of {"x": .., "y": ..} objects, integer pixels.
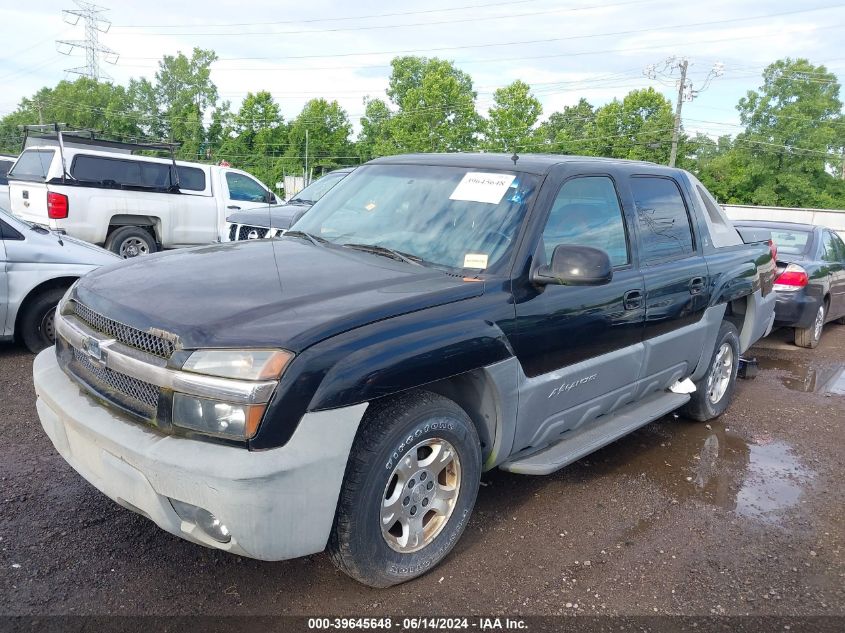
[
  {"x": 476, "y": 18},
  {"x": 91, "y": 15}
]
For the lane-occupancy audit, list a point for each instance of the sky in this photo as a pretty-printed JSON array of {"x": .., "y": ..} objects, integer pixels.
[{"x": 565, "y": 49}]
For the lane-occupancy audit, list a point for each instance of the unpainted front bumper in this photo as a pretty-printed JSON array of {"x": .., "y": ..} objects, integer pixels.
[{"x": 277, "y": 504}]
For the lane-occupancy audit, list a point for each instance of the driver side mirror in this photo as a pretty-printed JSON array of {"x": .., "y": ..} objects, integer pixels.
[
  {"x": 270, "y": 197},
  {"x": 574, "y": 265}
]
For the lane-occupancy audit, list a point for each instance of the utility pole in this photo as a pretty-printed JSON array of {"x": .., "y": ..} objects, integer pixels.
[
  {"x": 91, "y": 15},
  {"x": 686, "y": 92},
  {"x": 683, "y": 65},
  {"x": 305, "y": 178}
]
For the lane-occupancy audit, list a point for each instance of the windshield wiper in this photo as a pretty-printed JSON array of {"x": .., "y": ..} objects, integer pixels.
[
  {"x": 39, "y": 229},
  {"x": 319, "y": 241},
  {"x": 375, "y": 249},
  {"x": 300, "y": 201}
]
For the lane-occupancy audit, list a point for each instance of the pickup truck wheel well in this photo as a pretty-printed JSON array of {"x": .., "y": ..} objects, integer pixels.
[
  {"x": 45, "y": 286},
  {"x": 145, "y": 222}
]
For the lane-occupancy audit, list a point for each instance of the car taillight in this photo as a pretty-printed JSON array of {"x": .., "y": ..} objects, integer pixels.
[
  {"x": 774, "y": 249},
  {"x": 792, "y": 278},
  {"x": 57, "y": 206}
]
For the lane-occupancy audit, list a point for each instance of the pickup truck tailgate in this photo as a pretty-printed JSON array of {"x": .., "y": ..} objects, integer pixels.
[{"x": 28, "y": 201}]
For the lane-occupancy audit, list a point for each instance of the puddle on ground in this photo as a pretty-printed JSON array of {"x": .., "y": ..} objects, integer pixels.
[
  {"x": 808, "y": 378},
  {"x": 758, "y": 479}
]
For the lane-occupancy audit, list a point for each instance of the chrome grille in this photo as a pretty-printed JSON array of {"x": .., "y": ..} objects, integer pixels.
[
  {"x": 244, "y": 230},
  {"x": 127, "y": 335},
  {"x": 136, "y": 395}
]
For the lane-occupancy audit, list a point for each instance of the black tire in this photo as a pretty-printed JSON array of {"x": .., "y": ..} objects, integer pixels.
[
  {"x": 388, "y": 434},
  {"x": 706, "y": 403},
  {"x": 36, "y": 320},
  {"x": 131, "y": 241},
  {"x": 809, "y": 337},
  {"x": 840, "y": 320}
]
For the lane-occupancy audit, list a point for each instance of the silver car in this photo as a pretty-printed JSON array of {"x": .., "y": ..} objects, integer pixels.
[{"x": 37, "y": 266}]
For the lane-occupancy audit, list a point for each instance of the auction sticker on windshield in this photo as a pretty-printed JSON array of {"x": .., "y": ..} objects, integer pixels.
[
  {"x": 475, "y": 260},
  {"x": 480, "y": 187}
]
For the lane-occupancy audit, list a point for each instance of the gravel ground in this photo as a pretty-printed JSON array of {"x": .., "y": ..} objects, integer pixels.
[{"x": 742, "y": 516}]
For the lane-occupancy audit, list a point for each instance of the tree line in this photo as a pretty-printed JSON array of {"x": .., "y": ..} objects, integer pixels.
[{"x": 789, "y": 151}]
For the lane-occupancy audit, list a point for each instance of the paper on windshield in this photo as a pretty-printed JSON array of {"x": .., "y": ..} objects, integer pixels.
[
  {"x": 475, "y": 260},
  {"x": 478, "y": 186}
]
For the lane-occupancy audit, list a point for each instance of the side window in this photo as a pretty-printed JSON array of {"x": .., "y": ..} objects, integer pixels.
[
  {"x": 586, "y": 212},
  {"x": 662, "y": 218},
  {"x": 191, "y": 178},
  {"x": 8, "y": 233},
  {"x": 833, "y": 248},
  {"x": 244, "y": 188}
]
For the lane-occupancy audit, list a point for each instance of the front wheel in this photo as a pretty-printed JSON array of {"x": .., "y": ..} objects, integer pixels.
[
  {"x": 715, "y": 390},
  {"x": 809, "y": 337},
  {"x": 410, "y": 486},
  {"x": 37, "y": 321},
  {"x": 131, "y": 241}
]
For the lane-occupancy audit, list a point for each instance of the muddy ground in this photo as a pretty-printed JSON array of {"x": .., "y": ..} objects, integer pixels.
[{"x": 744, "y": 516}]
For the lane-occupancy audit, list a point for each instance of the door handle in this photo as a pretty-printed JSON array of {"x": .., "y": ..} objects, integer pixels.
[
  {"x": 696, "y": 285},
  {"x": 234, "y": 207},
  {"x": 632, "y": 300}
]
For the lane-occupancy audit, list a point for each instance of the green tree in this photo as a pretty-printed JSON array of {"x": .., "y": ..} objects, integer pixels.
[
  {"x": 639, "y": 127},
  {"x": 328, "y": 130},
  {"x": 569, "y": 131},
  {"x": 375, "y": 138},
  {"x": 436, "y": 107},
  {"x": 510, "y": 123},
  {"x": 185, "y": 92},
  {"x": 792, "y": 138}
]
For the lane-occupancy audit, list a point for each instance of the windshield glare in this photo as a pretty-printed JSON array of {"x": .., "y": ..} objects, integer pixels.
[
  {"x": 452, "y": 216},
  {"x": 318, "y": 188}
]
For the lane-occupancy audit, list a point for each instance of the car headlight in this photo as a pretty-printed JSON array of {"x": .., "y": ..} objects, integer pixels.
[
  {"x": 216, "y": 416},
  {"x": 66, "y": 297},
  {"x": 213, "y": 417},
  {"x": 256, "y": 364}
]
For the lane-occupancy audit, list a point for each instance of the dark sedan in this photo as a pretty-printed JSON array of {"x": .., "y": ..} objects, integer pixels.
[
  {"x": 811, "y": 277},
  {"x": 274, "y": 220}
]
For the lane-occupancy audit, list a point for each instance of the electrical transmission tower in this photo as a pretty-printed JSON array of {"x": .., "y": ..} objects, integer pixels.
[
  {"x": 675, "y": 70},
  {"x": 91, "y": 15}
]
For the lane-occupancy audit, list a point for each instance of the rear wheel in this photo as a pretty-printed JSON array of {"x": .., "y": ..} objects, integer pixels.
[
  {"x": 715, "y": 390},
  {"x": 37, "y": 321},
  {"x": 809, "y": 337},
  {"x": 131, "y": 241},
  {"x": 409, "y": 489}
]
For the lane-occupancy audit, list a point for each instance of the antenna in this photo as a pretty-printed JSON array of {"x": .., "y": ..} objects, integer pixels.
[{"x": 91, "y": 15}]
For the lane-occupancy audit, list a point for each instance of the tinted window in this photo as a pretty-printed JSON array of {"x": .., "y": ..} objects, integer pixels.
[
  {"x": 791, "y": 242},
  {"x": 191, "y": 178},
  {"x": 586, "y": 212},
  {"x": 5, "y": 166},
  {"x": 33, "y": 164},
  {"x": 135, "y": 173},
  {"x": 662, "y": 218},
  {"x": 834, "y": 251},
  {"x": 244, "y": 188}
]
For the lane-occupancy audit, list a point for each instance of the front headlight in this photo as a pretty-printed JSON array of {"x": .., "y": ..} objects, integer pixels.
[
  {"x": 256, "y": 364},
  {"x": 217, "y": 416},
  {"x": 63, "y": 301},
  {"x": 212, "y": 417}
]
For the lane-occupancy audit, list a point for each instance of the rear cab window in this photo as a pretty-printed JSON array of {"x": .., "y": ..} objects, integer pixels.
[
  {"x": 33, "y": 164},
  {"x": 5, "y": 166},
  {"x": 791, "y": 242},
  {"x": 663, "y": 222}
]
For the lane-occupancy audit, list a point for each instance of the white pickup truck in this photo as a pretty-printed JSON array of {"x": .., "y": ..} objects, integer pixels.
[{"x": 102, "y": 193}]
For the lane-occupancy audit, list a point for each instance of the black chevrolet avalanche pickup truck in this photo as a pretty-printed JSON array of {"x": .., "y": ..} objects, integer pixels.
[{"x": 432, "y": 317}]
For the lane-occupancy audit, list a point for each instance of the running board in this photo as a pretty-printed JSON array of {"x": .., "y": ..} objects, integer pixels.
[{"x": 596, "y": 434}]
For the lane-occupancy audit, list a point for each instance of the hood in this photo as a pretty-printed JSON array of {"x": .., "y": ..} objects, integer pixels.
[
  {"x": 63, "y": 249},
  {"x": 280, "y": 217},
  {"x": 285, "y": 293}
]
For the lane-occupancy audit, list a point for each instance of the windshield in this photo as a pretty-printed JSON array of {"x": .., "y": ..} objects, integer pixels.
[
  {"x": 452, "y": 216},
  {"x": 318, "y": 188},
  {"x": 791, "y": 242},
  {"x": 33, "y": 164}
]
